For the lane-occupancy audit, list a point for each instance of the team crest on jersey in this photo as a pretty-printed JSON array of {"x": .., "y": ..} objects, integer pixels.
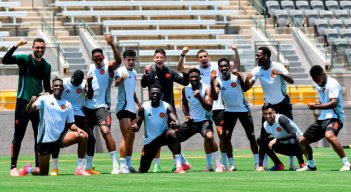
[
  {"x": 63, "y": 106},
  {"x": 102, "y": 71},
  {"x": 279, "y": 129},
  {"x": 79, "y": 90},
  {"x": 233, "y": 84},
  {"x": 168, "y": 75},
  {"x": 162, "y": 115}
]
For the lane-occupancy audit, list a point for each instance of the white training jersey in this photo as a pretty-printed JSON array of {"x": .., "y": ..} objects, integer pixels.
[
  {"x": 156, "y": 119},
  {"x": 100, "y": 83},
  {"x": 54, "y": 114},
  {"x": 196, "y": 111},
  {"x": 125, "y": 94},
  {"x": 278, "y": 131},
  {"x": 331, "y": 89},
  {"x": 205, "y": 74},
  {"x": 232, "y": 94},
  {"x": 274, "y": 86},
  {"x": 75, "y": 95}
]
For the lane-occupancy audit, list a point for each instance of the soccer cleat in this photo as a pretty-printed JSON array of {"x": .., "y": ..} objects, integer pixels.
[
  {"x": 115, "y": 170},
  {"x": 208, "y": 168},
  {"x": 279, "y": 167},
  {"x": 54, "y": 172},
  {"x": 157, "y": 168},
  {"x": 307, "y": 168},
  {"x": 132, "y": 169},
  {"x": 219, "y": 168},
  {"x": 179, "y": 170},
  {"x": 233, "y": 168},
  {"x": 302, "y": 165},
  {"x": 292, "y": 168},
  {"x": 224, "y": 167},
  {"x": 81, "y": 172},
  {"x": 14, "y": 172},
  {"x": 345, "y": 168},
  {"x": 124, "y": 170},
  {"x": 91, "y": 171},
  {"x": 24, "y": 170},
  {"x": 256, "y": 166},
  {"x": 186, "y": 166}
]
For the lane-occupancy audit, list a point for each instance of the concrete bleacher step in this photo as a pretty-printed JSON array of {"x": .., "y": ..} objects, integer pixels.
[{"x": 75, "y": 59}]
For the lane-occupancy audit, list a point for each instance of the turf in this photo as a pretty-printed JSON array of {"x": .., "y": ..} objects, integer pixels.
[{"x": 327, "y": 178}]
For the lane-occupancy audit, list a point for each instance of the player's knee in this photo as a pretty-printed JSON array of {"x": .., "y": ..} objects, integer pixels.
[
  {"x": 171, "y": 134},
  {"x": 330, "y": 136},
  {"x": 303, "y": 141},
  {"x": 209, "y": 135}
]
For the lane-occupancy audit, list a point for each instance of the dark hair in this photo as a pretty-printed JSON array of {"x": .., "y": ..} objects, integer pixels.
[
  {"x": 316, "y": 70},
  {"x": 162, "y": 51},
  {"x": 96, "y": 50},
  {"x": 38, "y": 40},
  {"x": 223, "y": 59},
  {"x": 201, "y": 51},
  {"x": 56, "y": 79},
  {"x": 155, "y": 86},
  {"x": 129, "y": 52},
  {"x": 265, "y": 50},
  {"x": 78, "y": 74},
  {"x": 267, "y": 106},
  {"x": 194, "y": 70}
]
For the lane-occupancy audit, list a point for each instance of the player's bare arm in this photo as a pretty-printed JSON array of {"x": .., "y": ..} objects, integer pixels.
[
  {"x": 181, "y": 67},
  {"x": 31, "y": 106},
  {"x": 136, "y": 123}
]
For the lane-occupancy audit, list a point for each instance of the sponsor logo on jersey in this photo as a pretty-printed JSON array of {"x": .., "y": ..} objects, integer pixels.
[
  {"x": 79, "y": 90},
  {"x": 162, "y": 115}
]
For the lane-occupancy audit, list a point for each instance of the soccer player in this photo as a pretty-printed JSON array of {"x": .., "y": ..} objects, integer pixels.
[
  {"x": 126, "y": 107},
  {"x": 164, "y": 76},
  {"x": 283, "y": 137},
  {"x": 56, "y": 114},
  {"x": 273, "y": 77},
  {"x": 197, "y": 101},
  {"x": 329, "y": 122},
  {"x": 230, "y": 84},
  {"x": 97, "y": 109},
  {"x": 34, "y": 77},
  {"x": 156, "y": 114},
  {"x": 75, "y": 89}
]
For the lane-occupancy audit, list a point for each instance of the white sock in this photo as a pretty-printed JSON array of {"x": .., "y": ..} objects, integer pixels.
[
  {"x": 183, "y": 159},
  {"x": 265, "y": 161},
  {"x": 157, "y": 161},
  {"x": 224, "y": 159},
  {"x": 80, "y": 162},
  {"x": 311, "y": 163},
  {"x": 216, "y": 158},
  {"x": 123, "y": 162},
  {"x": 178, "y": 160},
  {"x": 129, "y": 161},
  {"x": 292, "y": 160},
  {"x": 55, "y": 163},
  {"x": 209, "y": 159},
  {"x": 88, "y": 162},
  {"x": 345, "y": 161},
  {"x": 256, "y": 158},
  {"x": 231, "y": 161},
  {"x": 113, "y": 155}
]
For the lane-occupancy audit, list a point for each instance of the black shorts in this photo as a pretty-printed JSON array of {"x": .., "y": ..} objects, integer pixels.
[
  {"x": 186, "y": 130},
  {"x": 97, "y": 116},
  {"x": 81, "y": 122},
  {"x": 51, "y": 147},
  {"x": 218, "y": 117},
  {"x": 245, "y": 119},
  {"x": 317, "y": 130},
  {"x": 126, "y": 114}
]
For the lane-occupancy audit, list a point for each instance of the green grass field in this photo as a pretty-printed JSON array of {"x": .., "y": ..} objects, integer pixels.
[{"x": 327, "y": 178}]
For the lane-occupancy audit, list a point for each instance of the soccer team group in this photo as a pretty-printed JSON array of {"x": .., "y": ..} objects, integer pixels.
[{"x": 64, "y": 112}]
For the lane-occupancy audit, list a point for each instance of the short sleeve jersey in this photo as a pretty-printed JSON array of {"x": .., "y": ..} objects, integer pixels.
[
  {"x": 125, "y": 94},
  {"x": 75, "y": 95},
  {"x": 196, "y": 111}
]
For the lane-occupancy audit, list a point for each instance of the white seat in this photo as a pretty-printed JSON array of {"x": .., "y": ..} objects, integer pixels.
[
  {"x": 332, "y": 5},
  {"x": 325, "y": 14},
  {"x": 311, "y": 16},
  {"x": 297, "y": 17},
  {"x": 336, "y": 24},
  {"x": 317, "y": 5},
  {"x": 342, "y": 14},
  {"x": 331, "y": 35},
  {"x": 282, "y": 18},
  {"x": 287, "y": 5},
  {"x": 345, "y": 34},
  {"x": 271, "y": 7},
  {"x": 321, "y": 25},
  {"x": 302, "y": 5}
]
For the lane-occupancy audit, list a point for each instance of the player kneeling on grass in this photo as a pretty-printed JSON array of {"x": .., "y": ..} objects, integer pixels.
[
  {"x": 156, "y": 114},
  {"x": 56, "y": 117},
  {"x": 280, "y": 135}
]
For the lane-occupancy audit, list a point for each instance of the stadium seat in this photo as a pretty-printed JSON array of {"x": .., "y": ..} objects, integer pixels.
[
  {"x": 331, "y": 35},
  {"x": 341, "y": 45},
  {"x": 307, "y": 94},
  {"x": 302, "y": 5},
  {"x": 282, "y": 18},
  {"x": 311, "y": 16},
  {"x": 336, "y": 24},
  {"x": 323, "y": 14},
  {"x": 8, "y": 100},
  {"x": 345, "y": 34},
  {"x": 287, "y": 5},
  {"x": 257, "y": 95},
  {"x": 346, "y": 5},
  {"x": 321, "y": 25},
  {"x": 332, "y": 5},
  {"x": 297, "y": 17},
  {"x": 317, "y": 5},
  {"x": 271, "y": 7},
  {"x": 347, "y": 23},
  {"x": 342, "y": 14},
  {"x": 348, "y": 56}
]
